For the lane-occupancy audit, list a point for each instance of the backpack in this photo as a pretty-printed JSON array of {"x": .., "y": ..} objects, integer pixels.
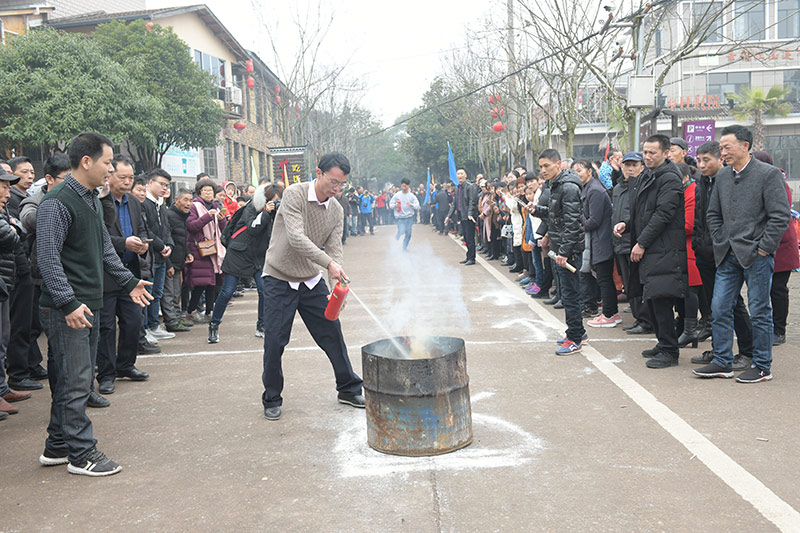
[{"x": 228, "y": 234}]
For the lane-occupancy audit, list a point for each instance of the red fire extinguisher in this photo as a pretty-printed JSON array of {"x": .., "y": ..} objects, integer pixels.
[{"x": 336, "y": 302}]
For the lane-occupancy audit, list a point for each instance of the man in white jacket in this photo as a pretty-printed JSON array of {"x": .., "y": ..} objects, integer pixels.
[{"x": 405, "y": 206}]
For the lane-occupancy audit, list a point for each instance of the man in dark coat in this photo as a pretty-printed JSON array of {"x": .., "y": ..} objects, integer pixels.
[
  {"x": 441, "y": 202},
  {"x": 747, "y": 216},
  {"x": 659, "y": 268},
  {"x": 565, "y": 237},
  {"x": 632, "y": 168},
  {"x": 122, "y": 214},
  {"x": 172, "y": 306},
  {"x": 709, "y": 163},
  {"x": 465, "y": 211},
  {"x": 155, "y": 213}
]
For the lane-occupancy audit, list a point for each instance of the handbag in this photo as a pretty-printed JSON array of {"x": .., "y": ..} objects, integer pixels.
[
  {"x": 207, "y": 248},
  {"x": 507, "y": 231}
]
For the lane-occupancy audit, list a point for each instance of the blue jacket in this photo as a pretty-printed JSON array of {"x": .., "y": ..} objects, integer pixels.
[{"x": 365, "y": 203}]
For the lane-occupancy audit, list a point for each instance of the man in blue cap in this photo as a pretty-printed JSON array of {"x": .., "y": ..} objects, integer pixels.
[{"x": 632, "y": 168}]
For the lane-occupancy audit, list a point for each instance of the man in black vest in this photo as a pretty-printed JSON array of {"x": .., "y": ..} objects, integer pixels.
[
  {"x": 74, "y": 250},
  {"x": 123, "y": 220}
]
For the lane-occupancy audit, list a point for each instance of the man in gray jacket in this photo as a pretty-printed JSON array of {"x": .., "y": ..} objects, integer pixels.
[{"x": 747, "y": 216}]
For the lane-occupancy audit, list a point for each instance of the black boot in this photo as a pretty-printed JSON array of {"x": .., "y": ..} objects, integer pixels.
[
  {"x": 689, "y": 335},
  {"x": 705, "y": 330},
  {"x": 213, "y": 333}
]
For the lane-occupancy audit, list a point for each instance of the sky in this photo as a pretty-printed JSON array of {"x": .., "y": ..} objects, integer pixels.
[{"x": 394, "y": 47}]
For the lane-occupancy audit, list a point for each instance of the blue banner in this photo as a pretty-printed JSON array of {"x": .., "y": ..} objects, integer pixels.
[
  {"x": 428, "y": 189},
  {"x": 452, "y": 164}
]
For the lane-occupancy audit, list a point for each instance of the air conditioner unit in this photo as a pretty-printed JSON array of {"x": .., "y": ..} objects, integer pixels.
[{"x": 233, "y": 95}]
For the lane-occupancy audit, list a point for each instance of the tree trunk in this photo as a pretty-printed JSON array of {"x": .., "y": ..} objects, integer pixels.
[
  {"x": 758, "y": 130},
  {"x": 569, "y": 141}
]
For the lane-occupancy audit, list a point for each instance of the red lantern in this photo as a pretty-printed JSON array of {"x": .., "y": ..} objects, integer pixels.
[
  {"x": 277, "y": 90},
  {"x": 148, "y": 26},
  {"x": 497, "y": 97},
  {"x": 251, "y": 82},
  {"x": 277, "y": 99},
  {"x": 498, "y": 126},
  {"x": 494, "y": 115},
  {"x": 297, "y": 107},
  {"x": 249, "y": 66},
  {"x": 297, "y": 115},
  {"x": 491, "y": 100},
  {"x": 239, "y": 125},
  {"x": 501, "y": 112}
]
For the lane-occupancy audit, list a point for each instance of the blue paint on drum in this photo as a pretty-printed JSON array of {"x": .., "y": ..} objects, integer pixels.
[{"x": 417, "y": 406}]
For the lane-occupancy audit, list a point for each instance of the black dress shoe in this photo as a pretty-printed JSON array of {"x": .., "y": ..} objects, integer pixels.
[
  {"x": 651, "y": 352},
  {"x": 24, "y": 384},
  {"x": 272, "y": 413},
  {"x": 356, "y": 400},
  {"x": 463, "y": 261},
  {"x": 97, "y": 401},
  {"x": 515, "y": 269},
  {"x": 39, "y": 373},
  {"x": 106, "y": 387},
  {"x": 777, "y": 340},
  {"x": 639, "y": 330},
  {"x": 148, "y": 348},
  {"x": 558, "y": 305},
  {"x": 630, "y": 326},
  {"x": 506, "y": 263},
  {"x": 469, "y": 262},
  {"x": 133, "y": 374}
]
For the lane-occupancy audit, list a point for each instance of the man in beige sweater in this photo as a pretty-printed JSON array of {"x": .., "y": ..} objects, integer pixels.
[{"x": 306, "y": 240}]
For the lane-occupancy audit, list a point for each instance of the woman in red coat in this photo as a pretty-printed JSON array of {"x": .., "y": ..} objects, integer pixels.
[{"x": 691, "y": 303}]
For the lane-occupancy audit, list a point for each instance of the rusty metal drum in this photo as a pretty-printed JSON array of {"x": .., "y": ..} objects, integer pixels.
[{"x": 417, "y": 395}]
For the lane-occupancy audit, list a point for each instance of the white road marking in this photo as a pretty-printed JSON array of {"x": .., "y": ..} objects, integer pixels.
[
  {"x": 357, "y": 459},
  {"x": 750, "y": 488}
]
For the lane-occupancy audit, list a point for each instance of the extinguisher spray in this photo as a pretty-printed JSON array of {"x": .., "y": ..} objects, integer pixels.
[{"x": 336, "y": 302}]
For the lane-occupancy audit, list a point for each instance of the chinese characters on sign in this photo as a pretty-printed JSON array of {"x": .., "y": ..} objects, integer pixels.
[
  {"x": 289, "y": 162},
  {"x": 770, "y": 55},
  {"x": 696, "y": 133},
  {"x": 698, "y": 101}
]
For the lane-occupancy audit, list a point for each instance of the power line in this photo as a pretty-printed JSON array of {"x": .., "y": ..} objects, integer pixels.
[{"x": 638, "y": 13}]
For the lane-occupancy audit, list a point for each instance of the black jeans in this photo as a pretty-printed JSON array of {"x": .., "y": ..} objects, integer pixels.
[
  {"x": 779, "y": 294},
  {"x": 468, "y": 230},
  {"x": 608, "y": 291},
  {"x": 21, "y": 356},
  {"x": 281, "y": 302},
  {"x": 569, "y": 286},
  {"x": 663, "y": 315},
  {"x": 197, "y": 292},
  {"x": 742, "y": 324},
  {"x": 113, "y": 354}
]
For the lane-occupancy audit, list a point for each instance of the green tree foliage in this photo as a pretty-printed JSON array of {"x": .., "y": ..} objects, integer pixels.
[
  {"x": 158, "y": 61},
  {"x": 54, "y": 85},
  {"x": 427, "y": 135},
  {"x": 753, "y": 104}
]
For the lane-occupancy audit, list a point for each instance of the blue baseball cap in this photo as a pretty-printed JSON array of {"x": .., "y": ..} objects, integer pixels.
[{"x": 633, "y": 156}]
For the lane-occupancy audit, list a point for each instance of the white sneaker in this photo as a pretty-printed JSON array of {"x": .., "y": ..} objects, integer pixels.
[
  {"x": 149, "y": 337},
  {"x": 161, "y": 333}
]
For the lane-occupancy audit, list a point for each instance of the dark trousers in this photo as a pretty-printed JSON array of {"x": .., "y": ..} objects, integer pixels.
[
  {"x": 21, "y": 356},
  {"x": 70, "y": 369},
  {"x": 742, "y": 324},
  {"x": 608, "y": 291},
  {"x": 639, "y": 309},
  {"x": 590, "y": 292},
  {"x": 365, "y": 219},
  {"x": 281, "y": 302},
  {"x": 197, "y": 292},
  {"x": 779, "y": 294},
  {"x": 661, "y": 309},
  {"x": 547, "y": 274},
  {"x": 113, "y": 354},
  {"x": 35, "y": 357},
  {"x": 569, "y": 284},
  {"x": 468, "y": 230}
]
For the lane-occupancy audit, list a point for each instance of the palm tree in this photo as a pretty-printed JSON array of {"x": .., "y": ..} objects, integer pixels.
[{"x": 753, "y": 104}]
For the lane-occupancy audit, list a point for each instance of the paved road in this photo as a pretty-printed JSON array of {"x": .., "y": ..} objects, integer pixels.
[{"x": 590, "y": 442}]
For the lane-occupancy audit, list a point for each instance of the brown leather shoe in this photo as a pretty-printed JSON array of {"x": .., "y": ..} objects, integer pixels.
[
  {"x": 16, "y": 396},
  {"x": 6, "y": 407}
]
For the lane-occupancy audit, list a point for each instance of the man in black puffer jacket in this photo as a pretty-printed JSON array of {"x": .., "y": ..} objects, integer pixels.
[
  {"x": 564, "y": 214},
  {"x": 659, "y": 269},
  {"x": 10, "y": 232},
  {"x": 173, "y": 291}
]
